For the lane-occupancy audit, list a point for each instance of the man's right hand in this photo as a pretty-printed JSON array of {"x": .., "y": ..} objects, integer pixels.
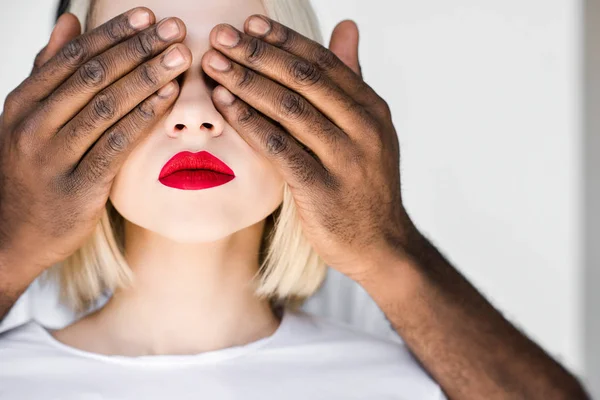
[{"x": 66, "y": 130}]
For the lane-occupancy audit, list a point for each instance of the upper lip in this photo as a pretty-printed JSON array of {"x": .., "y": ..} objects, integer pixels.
[{"x": 186, "y": 160}]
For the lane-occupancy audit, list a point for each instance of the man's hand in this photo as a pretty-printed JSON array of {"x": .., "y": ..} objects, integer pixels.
[
  {"x": 333, "y": 140},
  {"x": 69, "y": 126}
]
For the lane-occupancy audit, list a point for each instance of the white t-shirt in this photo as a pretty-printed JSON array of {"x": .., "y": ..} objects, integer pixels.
[{"x": 307, "y": 357}]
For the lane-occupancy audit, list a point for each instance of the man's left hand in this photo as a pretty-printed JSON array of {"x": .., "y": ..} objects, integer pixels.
[{"x": 328, "y": 132}]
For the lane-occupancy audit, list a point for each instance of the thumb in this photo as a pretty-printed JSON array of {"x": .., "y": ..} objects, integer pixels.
[
  {"x": 344, "y": 44},
  {"x": 66, "y": 29}
]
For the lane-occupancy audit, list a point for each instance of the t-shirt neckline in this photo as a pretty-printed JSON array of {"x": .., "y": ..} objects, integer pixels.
[{"x": 208, "y": 357}]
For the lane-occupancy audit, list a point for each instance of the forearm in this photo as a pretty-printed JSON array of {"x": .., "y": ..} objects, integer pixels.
[{"x": 466, "y": 344}]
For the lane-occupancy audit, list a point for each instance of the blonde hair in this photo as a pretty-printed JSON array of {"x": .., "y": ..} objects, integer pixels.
[{"x": 290, "y": 269}]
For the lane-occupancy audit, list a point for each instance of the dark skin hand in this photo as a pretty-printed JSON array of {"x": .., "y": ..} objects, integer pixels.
[
  {"x": 311, "y": 114},
  {"x": 66, "y": 130}
]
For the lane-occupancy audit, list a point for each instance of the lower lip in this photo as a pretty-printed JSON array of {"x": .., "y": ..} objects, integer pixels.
[{"x": 197, "y": 179}]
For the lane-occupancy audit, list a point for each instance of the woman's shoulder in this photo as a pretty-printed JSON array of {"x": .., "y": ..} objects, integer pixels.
[
  {"x": 339, "y": 339},
  {"x": 316, "y": 343},
  {"x": 308, "y": 326},
  {"x": 27, "y": 331},
  {"x": 27, "y": 337}
]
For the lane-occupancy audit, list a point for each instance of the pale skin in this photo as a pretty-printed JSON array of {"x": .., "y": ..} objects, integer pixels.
[{"x": 467, "y": 346}]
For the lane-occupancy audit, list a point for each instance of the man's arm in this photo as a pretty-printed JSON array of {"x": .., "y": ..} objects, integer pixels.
[{"x": 460, "y": 338}]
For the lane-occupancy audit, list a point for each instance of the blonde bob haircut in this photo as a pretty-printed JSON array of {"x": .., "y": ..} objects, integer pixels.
[{"x": 290, "y": 270}]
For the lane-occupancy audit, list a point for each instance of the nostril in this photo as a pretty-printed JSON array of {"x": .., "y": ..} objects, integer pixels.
[
  {"x": 179, "y": 127},
  {"x": 208, "y": 126}
]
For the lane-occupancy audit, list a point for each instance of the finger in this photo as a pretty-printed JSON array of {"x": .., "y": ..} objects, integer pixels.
[
  {"x": 291, "y": 41},
  {"x": 293, "y": 72},
  {"x": 72, "y": 56},
  {"x": 286, "y": 107},
  {"x": 101, "y": 164},
  {"x": 298, "y": 168},
  {"x": 344, "y": 44},
  {"x": 108, "y": 106},
  {"x": 104, "y": 69},
  {"x": 66, "y": 29}
]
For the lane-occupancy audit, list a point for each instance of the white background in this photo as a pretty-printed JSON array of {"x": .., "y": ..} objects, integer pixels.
[{"x": 487, "y": 98}]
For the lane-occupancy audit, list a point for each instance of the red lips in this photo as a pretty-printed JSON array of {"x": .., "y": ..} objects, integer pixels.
[{"x": 195, "y": 171}]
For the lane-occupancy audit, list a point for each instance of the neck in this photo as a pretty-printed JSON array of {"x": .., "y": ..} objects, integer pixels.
[{"x": 186, "y": 298}]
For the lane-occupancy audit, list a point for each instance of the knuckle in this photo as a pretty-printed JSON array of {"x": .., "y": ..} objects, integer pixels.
[
  {"x": 74, "y": 52},
  {"x": 377, "y": 146},
  {"x": 283, "y": 38},
  {"x": 28, "y": 149},
  {"x": 255, "y": 50},
  {"x": 276, "y": 142},
  {"x": 93, "y": 73},
  {"x": 142, "y": 46},
  {"x": 363, "y": 116},
  {"x": 12, "y": 97},
  {"x": 26, "y": 129},
  {"x": 72, "y": 133},
  {"x": 246, "y": 116},
  {"x": 384, "y": 108},
  {"x": 329, "y": 134},
  {"x": 12, "y": 103},
  {"x": 146, "y": 111},
  {"x": 149, "y": 75},
  {"x": 305, "y": 73},
  {"x": 117, "y": 29},
  {"x": 104, "y": 106},
  {"x": 117, "y": 141},
  {"x": 325, "y": 59},
  {"x": 293, "y": 106},
  {"x": 245, "y": 78},
  {"x": 24, "y": 146}
]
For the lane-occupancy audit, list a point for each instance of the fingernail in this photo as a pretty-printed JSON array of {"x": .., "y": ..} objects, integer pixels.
[
  {"x": 258, "y": 26},
  {"x": 166, "y": 90},
  {"x": 228, "y": 36},
  {"x": 219, "y": 62},
  {"x": 174, "y": 58},
  {"x": 140, "y": 19},
  {"x": 224, "y": 96},
  {"x": 168, "y": 29}
]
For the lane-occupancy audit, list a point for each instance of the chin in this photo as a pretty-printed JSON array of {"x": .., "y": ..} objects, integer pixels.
[
  {"x": 200, "y": 227},
  {"x": 188, "y": 234}
]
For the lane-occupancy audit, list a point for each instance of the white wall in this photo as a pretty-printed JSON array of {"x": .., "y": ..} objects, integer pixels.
[
  {"x": 24, "y": 31},
  {"x": 486, "y": 98}
]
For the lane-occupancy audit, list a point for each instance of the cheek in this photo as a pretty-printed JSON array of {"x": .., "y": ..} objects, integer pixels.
[{"x": 127, "y": 192}]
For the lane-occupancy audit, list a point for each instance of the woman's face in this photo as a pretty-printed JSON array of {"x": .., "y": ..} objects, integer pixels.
[{"x": 194, "y": 125}]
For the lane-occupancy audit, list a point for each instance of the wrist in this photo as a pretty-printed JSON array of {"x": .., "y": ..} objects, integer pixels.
[{"x": 395, "y": 267}]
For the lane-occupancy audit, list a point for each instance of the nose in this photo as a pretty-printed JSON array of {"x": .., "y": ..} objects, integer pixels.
[{"x": 194, "y": 112}]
